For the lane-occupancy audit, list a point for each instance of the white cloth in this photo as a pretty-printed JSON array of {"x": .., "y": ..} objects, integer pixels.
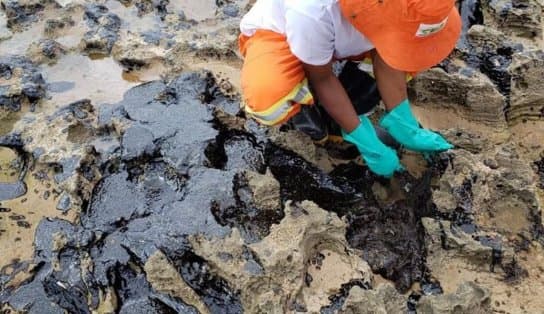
[{"x": 316, "y": 31}]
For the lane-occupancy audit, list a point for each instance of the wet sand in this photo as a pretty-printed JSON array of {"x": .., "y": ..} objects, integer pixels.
[{"x": 21, "y": 216}]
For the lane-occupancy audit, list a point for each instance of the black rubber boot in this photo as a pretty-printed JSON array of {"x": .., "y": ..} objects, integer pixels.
[
  {"x": 361, "y": 88},
  {"x": 364, "y": 95},
  {"x": 310, "y": 121}
]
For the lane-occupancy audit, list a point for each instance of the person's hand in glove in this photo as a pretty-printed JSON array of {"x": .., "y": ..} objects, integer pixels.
[
  {"x": 403, "y": 126},
  {"x": 380, "y": 158}
]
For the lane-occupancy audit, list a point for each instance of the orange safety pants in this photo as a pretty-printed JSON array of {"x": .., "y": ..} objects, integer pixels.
[{"x": 273, "y": 82}]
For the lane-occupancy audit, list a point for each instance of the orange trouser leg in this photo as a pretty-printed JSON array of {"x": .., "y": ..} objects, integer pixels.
[{"x": 273, "y": 81}]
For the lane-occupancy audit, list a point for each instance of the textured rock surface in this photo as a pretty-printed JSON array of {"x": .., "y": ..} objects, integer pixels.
[
  {"x": 5, "y": 33},
  {"x": 469, "y": 298},
  {"x": 271, "y": 274},
  {"x": 509, "y": 205},
  {"x": 46, "y": 51},
  {"x": 521, "y": 18},
  {"x": 134, "y": 52},
  {"x": 103, "y": 30},
  {"x": 165, "y": 278},
  {"x": 527, "y": 97},
  {"x": 384, "y": 299},
  {"x": 21, "y": 82},
  {"x": 21, "y": 11},
  {"x": 468, "y": 93}
]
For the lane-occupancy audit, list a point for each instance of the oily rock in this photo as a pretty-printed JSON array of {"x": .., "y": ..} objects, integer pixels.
[
  {"x": 383, "y": 299},
  {"x": 133, "y": 52},
  {"x": 469, "y": 298},
  {"x": 165, "y": 278},
  {"x": 46, "y": 51},
  {"x": 271, "y": 274},
  {"x": 519, "y": 18},
  {"x": 103, "y": 30},
  {"x": 21, "y": 82},
  {"x": 63, "y": 138},
  {"x": 258, "y": 205},
  {"x": 20, "y": 11},
  {"x": 445, "y": 242},
  {"x": 498, "y": 192}
]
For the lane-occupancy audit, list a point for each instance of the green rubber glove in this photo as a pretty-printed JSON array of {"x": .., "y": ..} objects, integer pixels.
[
  {"x": 403, "y": 126},
  {"x": 381, "y": 159}
]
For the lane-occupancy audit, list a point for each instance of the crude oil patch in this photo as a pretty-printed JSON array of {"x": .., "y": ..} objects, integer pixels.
[
  {"x": 389, "y": 235},
  {"x": 471, "y": 14},
  {"x": 301, "y": 180},
  {"x": 159, "y": 190}
]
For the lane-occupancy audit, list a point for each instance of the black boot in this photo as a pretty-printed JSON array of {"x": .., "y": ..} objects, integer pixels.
[
  {"x": 365, "y": 97},
  {"x": 310, "y": 121},
  {"x": 361, "y": 88}
]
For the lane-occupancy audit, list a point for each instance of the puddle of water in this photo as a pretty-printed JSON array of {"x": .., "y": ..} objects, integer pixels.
[
  {"x": 194, "y": 10},
  {"x": 229, "y": 70},
  {"x": 100, "y": 80},
  {"x": 19, "y": 42},
  {"x": 19, "y": 223},
  {"x": 70, "y": 37},
  {"x": 153, "y": 72},
  {"x": 130, "y": 21}
]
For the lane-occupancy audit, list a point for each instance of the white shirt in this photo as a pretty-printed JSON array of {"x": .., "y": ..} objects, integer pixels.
[{"x": 316, "y": 31}]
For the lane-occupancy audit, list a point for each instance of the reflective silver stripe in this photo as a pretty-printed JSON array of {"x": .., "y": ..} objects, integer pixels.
[
  {"x": 302, "y": 93},
  {"x": 276, "y": 114},
  {"x": 284, "y": 107}
]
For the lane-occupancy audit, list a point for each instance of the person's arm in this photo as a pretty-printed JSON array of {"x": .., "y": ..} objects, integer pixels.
[
  {"x": 400, "y": 121},
  {"x": 332, "y": 95},
  {"x": 391, "y": 83},
  {"x": 380, "y": 158}
]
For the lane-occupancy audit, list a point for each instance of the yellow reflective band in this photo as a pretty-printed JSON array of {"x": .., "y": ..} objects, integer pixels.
[
  {"x": 289, "y": 97},
  {"x": 277, "y": 112},
  {"x": 282, "y": 111},
  {"x": 271, "y": 122}
]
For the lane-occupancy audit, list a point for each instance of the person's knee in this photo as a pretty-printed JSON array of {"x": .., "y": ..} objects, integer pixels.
[
  {"x": 259, "y": 92},
  {"x": 271, "y": 105}
]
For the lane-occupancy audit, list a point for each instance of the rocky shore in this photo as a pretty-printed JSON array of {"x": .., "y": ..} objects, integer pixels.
[{"x": 131, "y": 181}]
